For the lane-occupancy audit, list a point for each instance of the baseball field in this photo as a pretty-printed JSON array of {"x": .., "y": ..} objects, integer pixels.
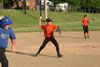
[{"x": 76, "y": 51}]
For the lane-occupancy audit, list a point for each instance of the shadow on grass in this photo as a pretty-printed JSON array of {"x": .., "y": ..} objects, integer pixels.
[{"x": 29, "y": 54}]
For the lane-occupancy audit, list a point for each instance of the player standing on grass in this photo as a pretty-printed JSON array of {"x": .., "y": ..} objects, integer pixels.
[
  {"x": 5, "y": 33},
  {"x": 48, "y": 34},
  {"x": 85, "y": 22}
]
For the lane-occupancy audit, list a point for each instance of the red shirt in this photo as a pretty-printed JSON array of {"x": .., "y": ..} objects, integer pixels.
[
  {"x": 85, "y": 21},
  {"x": 48, "y": 30}
]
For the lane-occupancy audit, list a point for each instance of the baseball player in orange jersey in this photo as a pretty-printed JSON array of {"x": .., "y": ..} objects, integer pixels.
[
  {"x": 85, "y": 22},
  {"x": 48, "y": 34}
]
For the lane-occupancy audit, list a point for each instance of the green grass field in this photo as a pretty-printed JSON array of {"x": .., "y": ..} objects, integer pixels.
[{"x": 67, "y": 21}]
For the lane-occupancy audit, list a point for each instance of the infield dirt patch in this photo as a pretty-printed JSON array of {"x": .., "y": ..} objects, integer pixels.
[{"x": 77, "y": 51}]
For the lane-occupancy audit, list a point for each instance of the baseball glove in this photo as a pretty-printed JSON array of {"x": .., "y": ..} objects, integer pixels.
[{"x": 58, "y": 30}]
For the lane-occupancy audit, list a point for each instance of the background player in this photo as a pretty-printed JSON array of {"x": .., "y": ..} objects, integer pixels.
[{"x": 85, "y": 22}]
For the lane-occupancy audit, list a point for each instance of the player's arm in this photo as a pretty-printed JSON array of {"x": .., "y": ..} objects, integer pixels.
[
  {"x": 13, "y": 45},
  {"x": 40, "y": 20},
  {"x": 88, "y": 21},
  {"x": 82, "y": 22}
]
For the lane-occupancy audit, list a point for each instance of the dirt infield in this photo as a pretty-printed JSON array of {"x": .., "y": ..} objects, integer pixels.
[{"x": 77, "y": 51}]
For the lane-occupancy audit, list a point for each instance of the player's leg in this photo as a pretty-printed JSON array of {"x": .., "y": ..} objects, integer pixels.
[
  {"x": 3, "y": 58},
  {"x": 46, "y": 40},
  {"x": 87, "y": 32},
  {"x": 56, "y": 45},
  {"x": 84, "y": 28}
]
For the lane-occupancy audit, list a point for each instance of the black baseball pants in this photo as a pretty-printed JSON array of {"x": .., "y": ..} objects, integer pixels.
[
  {"x": 46, "y": 40},
  {"x": 3, "y": 59},
  {"x": 85, "y": 28}
]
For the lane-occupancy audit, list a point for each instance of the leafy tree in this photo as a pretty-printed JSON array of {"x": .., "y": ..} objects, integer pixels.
[
  {"x": 56, "y": 2},
  {"x": 95, "y": 5},
  {"x": 90, "y": 5}
]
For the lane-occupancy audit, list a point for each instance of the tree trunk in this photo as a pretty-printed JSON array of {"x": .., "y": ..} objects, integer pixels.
[
  {"x": 54, "y": 6},
  {"x": 17, "y": 3}
]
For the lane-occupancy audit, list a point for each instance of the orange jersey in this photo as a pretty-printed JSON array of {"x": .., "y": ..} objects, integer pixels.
[
  {"x": 85, "y": 22},
  {"x": 48, "y": 30}
]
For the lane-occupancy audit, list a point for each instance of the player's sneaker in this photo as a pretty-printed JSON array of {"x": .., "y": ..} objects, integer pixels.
[
  {"x": 60, "y": 55},
  {"x": 36, "y": 54}
]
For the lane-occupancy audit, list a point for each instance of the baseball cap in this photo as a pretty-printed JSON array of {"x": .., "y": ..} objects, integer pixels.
[{"x": 48, "y": 20}]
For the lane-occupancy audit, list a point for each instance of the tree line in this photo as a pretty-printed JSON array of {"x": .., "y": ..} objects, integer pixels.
[{"x": 88, "y": 6}]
